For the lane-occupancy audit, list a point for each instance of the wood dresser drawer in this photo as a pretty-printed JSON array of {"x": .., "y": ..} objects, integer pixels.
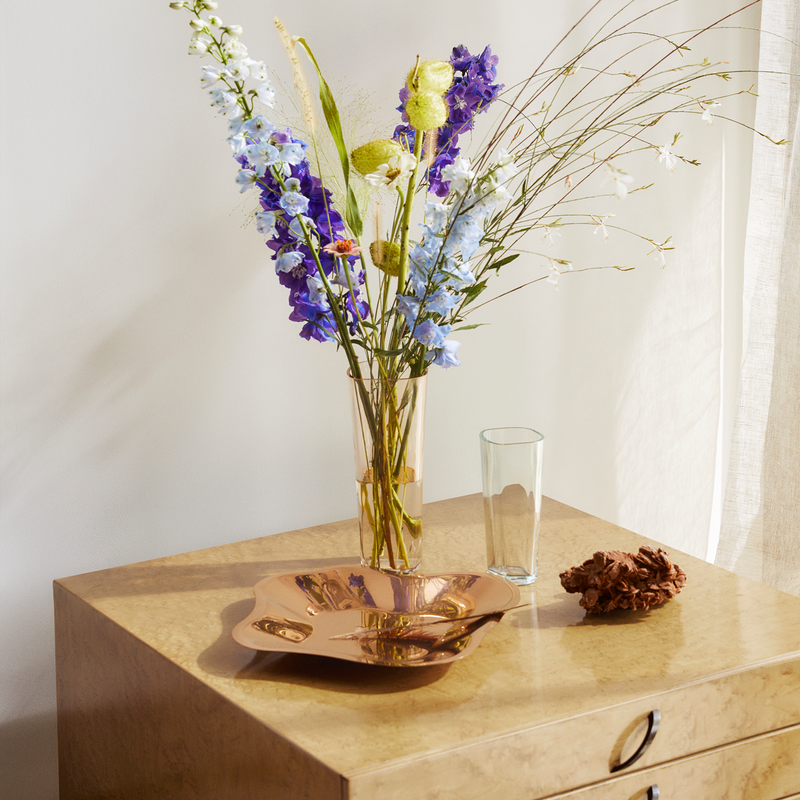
[
  {"x": 766, "y": 767},
  {"x": 156, "y": 700},
  {"x": 544, "y": 761}
]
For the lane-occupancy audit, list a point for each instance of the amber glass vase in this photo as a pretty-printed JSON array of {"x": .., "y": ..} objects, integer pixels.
[{"x": 388, "y": 437}]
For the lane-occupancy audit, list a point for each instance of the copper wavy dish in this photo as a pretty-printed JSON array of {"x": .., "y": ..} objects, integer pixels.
[{"x": 359, "y": 614}]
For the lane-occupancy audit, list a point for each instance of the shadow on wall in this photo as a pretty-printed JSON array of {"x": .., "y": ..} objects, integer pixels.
[{"x": 20, "y": 738}]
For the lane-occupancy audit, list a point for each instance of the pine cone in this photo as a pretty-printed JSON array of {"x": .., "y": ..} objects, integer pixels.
[{"x": 613, "y": 579}]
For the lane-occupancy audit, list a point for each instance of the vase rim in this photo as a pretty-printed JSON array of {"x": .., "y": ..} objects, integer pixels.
[{"x": 511, "y": 436}]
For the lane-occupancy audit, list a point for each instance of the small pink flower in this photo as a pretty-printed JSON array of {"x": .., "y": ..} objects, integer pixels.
[{"x": 343, "y": 248}]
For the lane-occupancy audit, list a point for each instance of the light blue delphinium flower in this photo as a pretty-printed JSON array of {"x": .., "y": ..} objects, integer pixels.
[
  {"x": 436, "y": 215},
  {"x": 296, "y": 229},
  {"x": 294, "y": 203},
  {"x": 457, "y": 274},
  {"x": 345, "y": 278},
  {"x": 420, "y": 266},
  {"x": 259, "y": 128},
  {"x": 316, "y": 291},
  {"x": 291, "y": 153},
  {"x": 465, "y": 235},
  {"x": 409, "y": 308},
  {"x": 247, "y": 179},
  {"x": 430, "y": 334},
  {"x": 440, "y": 302},
  {"x": 261, "y": 155},
  {"x": 265, "y": 223},
  {"x": 288, "y": 261},
  {"x": 445, "y": 357},
  {"x": 225, "y": 102}
]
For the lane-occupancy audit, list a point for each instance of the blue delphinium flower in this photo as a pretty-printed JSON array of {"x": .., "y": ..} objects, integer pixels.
[
  {"x": 430, "y": 334},
  {"x": 473, "y": 90},
  {"x": 439, "y": 268},
  {"x": 446, "y": 356},
  {"x": 409, "y": 308}
]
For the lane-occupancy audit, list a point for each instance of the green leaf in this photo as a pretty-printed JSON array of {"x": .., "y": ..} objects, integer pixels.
[
  {"x": 470, "y": 327},
  {"x": 502, "y": 262},
  {"x": 389, "y": 353},
  {"x": 473, "y": 291},
  {"x": 352, "y": 214}
]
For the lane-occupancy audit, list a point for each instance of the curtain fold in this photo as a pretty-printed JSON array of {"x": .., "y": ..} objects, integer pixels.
[{"x": 760, "y": 532}]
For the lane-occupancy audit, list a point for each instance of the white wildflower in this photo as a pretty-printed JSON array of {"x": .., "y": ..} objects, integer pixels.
[
  {"x": 669, "y": 159},
  {"x": 397, "y": 170},
  {"x": 620, "y": 180},
  {"x": 707, "y": 116}
]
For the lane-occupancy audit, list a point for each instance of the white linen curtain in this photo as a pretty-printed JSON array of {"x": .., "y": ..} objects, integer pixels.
[{"x": 760, "y": 531}]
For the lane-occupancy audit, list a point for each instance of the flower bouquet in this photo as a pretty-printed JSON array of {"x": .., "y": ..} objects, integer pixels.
[{"x": 393, "y": 305}]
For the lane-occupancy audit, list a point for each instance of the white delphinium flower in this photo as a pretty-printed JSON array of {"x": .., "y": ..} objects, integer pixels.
[
  {"x": 669, "y": 159},
  {"x": 620, "y": 180},
  {"x": 225, "y": 102},
  {"x": 266, "y": 94},
  {"x": 210, "y": 75},
  {"x": 247, "y": 179},
  {"x": 506, "y": 168},
  {"x": 199, "y": 44},
  {"x": 459, "y": 175},
  {"x": 238, "y": 70},
  {"x": 395, "y": 172},
  {"x": 233, "y": 48},
  {"x": 238, "y": 144},
  {"x": 258, "y": 69}
]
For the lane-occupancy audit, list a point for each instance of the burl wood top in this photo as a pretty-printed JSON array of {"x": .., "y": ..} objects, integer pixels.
[{"x": 544, "y": 662}]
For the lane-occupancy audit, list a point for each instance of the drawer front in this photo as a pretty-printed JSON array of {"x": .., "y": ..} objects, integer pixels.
[
  {"x": 766, "y": 767},
  {"x": 556, "y": 758}
]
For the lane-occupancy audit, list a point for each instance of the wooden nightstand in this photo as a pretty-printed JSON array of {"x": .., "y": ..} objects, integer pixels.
[{"x": 155, "y": 700}]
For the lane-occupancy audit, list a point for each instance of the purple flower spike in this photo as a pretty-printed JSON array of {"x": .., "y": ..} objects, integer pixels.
[
  {"x": 295, "y": 264},
  {"x": 470, "y": 94}
]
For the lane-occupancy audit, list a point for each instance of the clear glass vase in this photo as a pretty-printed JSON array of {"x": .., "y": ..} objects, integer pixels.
[
  {"x": 511, "y": 463},
  {"x": 388, "y": 438}
]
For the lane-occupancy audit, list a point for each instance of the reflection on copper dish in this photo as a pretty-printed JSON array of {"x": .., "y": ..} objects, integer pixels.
[{"x": 359, "y": 614}]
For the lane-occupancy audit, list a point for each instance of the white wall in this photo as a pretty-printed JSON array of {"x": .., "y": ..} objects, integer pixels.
[{"x": 157, "y": 400}]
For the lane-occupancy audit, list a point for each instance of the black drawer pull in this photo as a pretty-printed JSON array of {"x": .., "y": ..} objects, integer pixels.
[
  {"x": 652, "y": 792},
  {"x": 653, "y": 721}
]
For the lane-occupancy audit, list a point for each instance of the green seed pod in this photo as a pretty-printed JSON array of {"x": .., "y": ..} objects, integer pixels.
[
  {"x": 432, "y": 76},
  {"x": 367, "y": 158},
  {"x": 386, "y": 257},
  {"x": 426, "y": 110}
]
